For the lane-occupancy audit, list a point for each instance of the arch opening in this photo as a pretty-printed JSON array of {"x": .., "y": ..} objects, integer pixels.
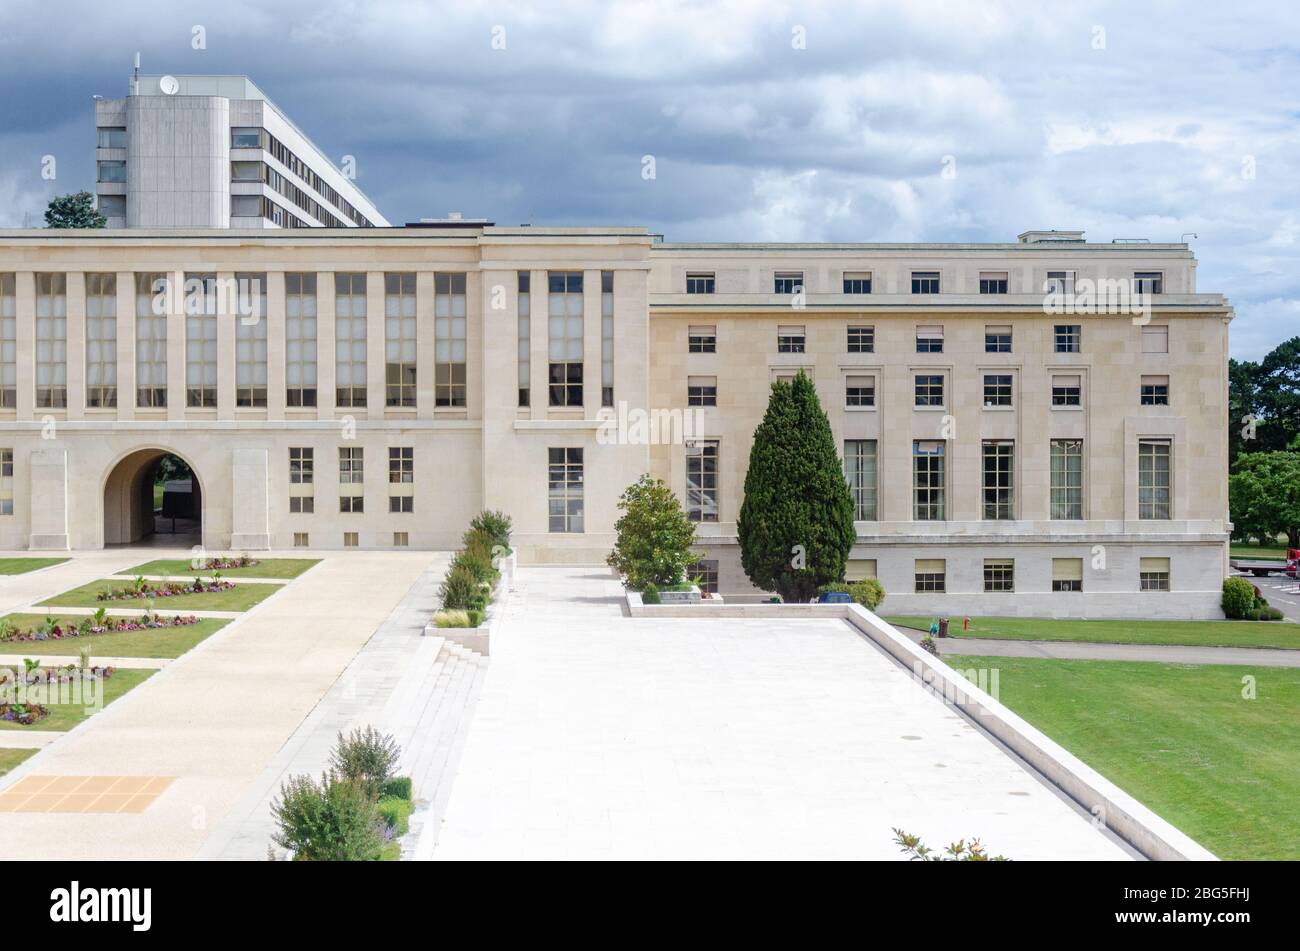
[{"x": 153, "y": 496}]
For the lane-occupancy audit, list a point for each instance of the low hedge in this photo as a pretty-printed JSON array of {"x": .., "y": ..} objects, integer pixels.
[{"x": 868, "y": 592}]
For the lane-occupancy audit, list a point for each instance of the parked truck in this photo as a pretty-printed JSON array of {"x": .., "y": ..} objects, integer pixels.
[{"x": 1262, "y": 567}]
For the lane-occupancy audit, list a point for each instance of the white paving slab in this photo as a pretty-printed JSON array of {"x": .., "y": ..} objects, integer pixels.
[{"x": 599, "y": 736}]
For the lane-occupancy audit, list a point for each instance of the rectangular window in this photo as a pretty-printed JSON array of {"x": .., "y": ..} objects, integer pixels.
[
  {"x": 300, "y": 339},
  {"x": 702, "y": 340},
  {"x": 350, "y": 339},
  {"x": 930, "y": 574},
  {"x": 999, "y": 479},
  {"x": 401, "y": 479},
  {"x": 565, "y": 338},
  {"x": 101, "y": 340},
  {"x": 1066, "y": 390},
  {"x": 300, "y": 540},
  {"x": 857, "y": 282},
  {"x": 401, "y": 540},
  {"x": 929, "y": 389},
  {"x": 706, "y": 571},
  {"x": 1059, "y": 282},
  {"x": 860, "y": 473},
  {"x": 929, "y": 339},
  {"x": 1067, "y": 574},
  {"x": 1155, "y": 339},
  {"x": 702, "y": 481},
  {"x": 1148, "y": 282},
  {"x": 350, "y": 540},
  {"x": 1066, "y": 480},
  {"x": 201, "y": 340},
  {"x": 860, "y": 391},
  {"x": 790, "y": 340},
  {"x": 399, "y": 339},
  {"x": 997, "y": 389},
  {"x": 862, "y": 340},
  {"x": 151, "y": 340},
  {"x": 8, "y": 342},
  {"x": 999, "y": 575},
  {"x": 1154, "y": 479},
  {"x": 564, "y": 489},
  {"x": 51, "y": 341},
  {"x": 523, "y": 284},
  {"x": 247, "y": 172},
  {"x": 700, "y": 283},
  {"x": 859, "y": 569},
  {"x": 925, "y": 282},
  {"x": 1067, "y": 338},
  {"x": 928, "y": 480},
  {"x": 701, "y": 391},
  {"x": 993, "y": 282},
  {"x": 351, "y": 478},
  {"x": 787, "y": 282},
  {"x": 245, "y": 138},
  {"x": 997, "y": 339},
  {"x": 1155, "y": 391},
  {"x": 1153, "y": 574},
  {"x": 110, "y": 137},
  {"x": 6, "y": 482},
  {"x": 606, "y": 338},
  {"x": 114, "y": 171},
  {"x": 449, "y": 329},
  {"x": 245, "y": 206},
  {"x": 251, "y": 341},
  {"x": 111, "y": 206},
  {"x": 302, "y": 480}
]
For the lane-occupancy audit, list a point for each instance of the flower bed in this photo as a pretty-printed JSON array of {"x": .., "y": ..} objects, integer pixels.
[
  {"x": 141, "y": 589},
  {"x": 24, "y": 713},
  {"x": 28, "y": 713},
  {"x": 222, "y": 562},
  {"x": 98, "y": 623}
]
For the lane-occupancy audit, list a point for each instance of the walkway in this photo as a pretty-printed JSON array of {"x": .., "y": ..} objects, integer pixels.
[
  {"x": 1089, "y": 650},
  {"x": 215, "y": 717},
  {"x": 600, "y": 736}
]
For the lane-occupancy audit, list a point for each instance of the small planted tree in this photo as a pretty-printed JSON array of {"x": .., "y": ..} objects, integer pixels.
[
  {"x": 796, "y": 523},
  {"x": 334, "y": 820},
  {"x": 74, "y": 211},
  {"x": 654, "y": 536}
]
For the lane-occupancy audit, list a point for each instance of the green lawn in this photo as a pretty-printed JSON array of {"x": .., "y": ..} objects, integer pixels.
[
  {"x": 1180, "y": 738},
  {"x": 1196, "y": 633},
  {"x": 11, "y": 758},
  {"x": 64, "y": 716},
  {"x": 19, "y": 566},
  {"x": 239, "y": 598},
  {"x": 159, "y": 642},
  {"x": 269, "y": 568}
]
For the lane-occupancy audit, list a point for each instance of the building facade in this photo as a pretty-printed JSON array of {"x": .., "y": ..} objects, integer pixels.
[
  {"x": 1020, "y": 432},
  {"x": 215, "y": 152}
]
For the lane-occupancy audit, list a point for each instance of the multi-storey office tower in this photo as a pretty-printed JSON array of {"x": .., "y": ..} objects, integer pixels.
[
  {"x": 215, "y": 152},
  {"x": 1011, "y": 443}
]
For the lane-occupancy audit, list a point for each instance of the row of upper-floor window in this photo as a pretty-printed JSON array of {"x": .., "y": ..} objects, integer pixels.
[
  {"x": 930, "y": 390},
  {"x": 861, "y": 338},
  {"x": 927, "y": 282}
]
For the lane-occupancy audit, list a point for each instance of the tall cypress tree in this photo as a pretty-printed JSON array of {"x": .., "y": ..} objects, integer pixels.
[{"x": 796, "y": 523}]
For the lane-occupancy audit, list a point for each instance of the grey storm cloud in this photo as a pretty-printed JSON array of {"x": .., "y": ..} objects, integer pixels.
[{"x": 766, "y": 120}]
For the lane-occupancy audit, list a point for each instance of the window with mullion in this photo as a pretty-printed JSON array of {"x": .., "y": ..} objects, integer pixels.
[
  {"x": 399, "y": 340},
  {"x": 350, "y": 339},
  {"x": 300, "y": 339},
  {"x": 101, "y": 341},
  {"x": 449, "y": 340},
  {"x": 251, "y": 341},
  {"x": 51, "y": 341},
  {"x": 565, "y": 313},
  {"x": 564, "y": 490},
  {"x": 999, "y": 479},
  {"x": 928, "y": 480},
  {"x": 702, "y": 481},
  {"x": 1154, "y": 485},
  {"x": 151, "y": 340},
  {"x": 1066, "y": 479},
  {"x": 860, "y": 473}
]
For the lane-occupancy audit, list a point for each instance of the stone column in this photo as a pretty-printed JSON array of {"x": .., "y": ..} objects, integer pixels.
[
  {"x": 49, "y": 499},
  {"x": 250, "y": 499}
]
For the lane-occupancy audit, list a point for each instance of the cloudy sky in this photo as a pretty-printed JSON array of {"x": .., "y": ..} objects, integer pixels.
[{"x": 766, "y": 120}]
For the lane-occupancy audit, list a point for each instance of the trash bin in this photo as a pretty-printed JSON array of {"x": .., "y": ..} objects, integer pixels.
[{"x": 943, "y": 627}]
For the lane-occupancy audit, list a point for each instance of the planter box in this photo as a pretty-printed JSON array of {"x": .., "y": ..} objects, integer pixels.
[
  {"x": 680, "y": 597},
  {"x": 479, "y": 638}
]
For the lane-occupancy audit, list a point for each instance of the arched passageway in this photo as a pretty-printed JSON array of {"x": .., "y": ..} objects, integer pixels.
[{"x": 153, "y": 496}]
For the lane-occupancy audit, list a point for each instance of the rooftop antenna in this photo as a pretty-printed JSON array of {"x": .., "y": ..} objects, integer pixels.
[
  {"x": 1185, "y": 234},
  {"x": 135, "y": 76}
]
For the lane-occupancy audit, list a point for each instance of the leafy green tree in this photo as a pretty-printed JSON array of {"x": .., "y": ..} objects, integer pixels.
[
  {"x": 330, "y": 821},
  {"x": 74, "y": 211},
  {"x": 1278, "y": 395},
  {"x": 1243, "y": 404},
  {"x": 796, "y": 523},
  {"x": 1264, "y": 495},
  {"x": 653, "y": 546}
]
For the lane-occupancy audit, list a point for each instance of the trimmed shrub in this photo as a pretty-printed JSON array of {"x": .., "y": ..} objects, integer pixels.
[
  {"x": 367, "y": 757},
  {"x": 495, "y": 526},
  {"x": 330, "y": 821},
  {"x": 396, "y": 813},
  {"x": 650, "y": 594},
  {"x": 1238, "y": 597},
  {"x": 398, "y": 787},
  {"x": 452, "y": 618},
  {"x": 868, "y": 592},
  {"x": 476, "y": 617},
  {"x": 654, "y": 536},
  {"x": 459, "y": 589}
]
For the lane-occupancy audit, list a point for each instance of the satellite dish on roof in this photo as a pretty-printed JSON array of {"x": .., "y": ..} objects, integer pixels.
[{"x": 170, "y": 85}]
